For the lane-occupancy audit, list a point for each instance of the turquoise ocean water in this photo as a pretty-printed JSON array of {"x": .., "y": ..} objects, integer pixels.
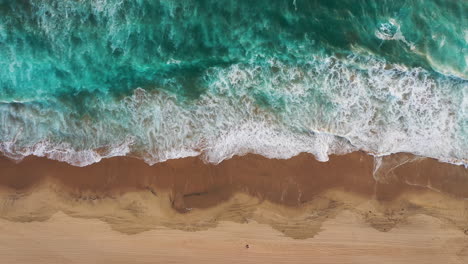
[{"x": 90, "y": 79}]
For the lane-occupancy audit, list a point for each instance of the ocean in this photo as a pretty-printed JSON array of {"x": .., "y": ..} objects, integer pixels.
[{"x": 85, "y": 80}]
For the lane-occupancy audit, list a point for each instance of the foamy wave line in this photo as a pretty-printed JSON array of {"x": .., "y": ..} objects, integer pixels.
[
  {"x": 240, "y": 142},
  {"x": 63, "y": 152},
  {"x": 249, "y": 138}
]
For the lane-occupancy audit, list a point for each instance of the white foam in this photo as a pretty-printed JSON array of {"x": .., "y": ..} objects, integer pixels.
[
  {"x": 327, "y": 106},
  {"x": 391, "y": 31},
  {"x": 63, "y": 152}
]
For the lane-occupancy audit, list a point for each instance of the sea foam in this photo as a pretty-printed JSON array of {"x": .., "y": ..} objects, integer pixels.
[{"x": 325, "y": 106}]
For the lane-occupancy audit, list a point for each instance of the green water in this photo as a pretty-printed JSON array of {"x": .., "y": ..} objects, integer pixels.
[{"x": 167, "y": 79}]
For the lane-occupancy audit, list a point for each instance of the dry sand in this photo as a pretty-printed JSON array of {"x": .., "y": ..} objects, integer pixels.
[{"x": 408, "y": 210}]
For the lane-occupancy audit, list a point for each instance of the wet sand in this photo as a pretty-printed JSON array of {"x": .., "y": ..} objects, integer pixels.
[{"x": 299, "y": 210}]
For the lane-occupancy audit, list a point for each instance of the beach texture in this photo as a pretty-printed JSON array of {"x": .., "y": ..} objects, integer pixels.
[{"x": 249, "y": 209}]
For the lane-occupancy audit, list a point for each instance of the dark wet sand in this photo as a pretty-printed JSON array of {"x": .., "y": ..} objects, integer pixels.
[{"x": 296, "y": 210}]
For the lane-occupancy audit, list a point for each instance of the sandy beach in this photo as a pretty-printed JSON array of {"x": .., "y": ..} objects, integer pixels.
[
  {"x": 223, "y": 131},
  {"x": 249, "y": 209}
]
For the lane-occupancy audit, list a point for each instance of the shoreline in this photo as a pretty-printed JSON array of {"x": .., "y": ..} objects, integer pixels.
[
  {"x": 128, "y": 172},
  {"x": 191, "y": 183},
  {"x": 102, "y": 154},
  {"x": 292, "y": 204}
]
